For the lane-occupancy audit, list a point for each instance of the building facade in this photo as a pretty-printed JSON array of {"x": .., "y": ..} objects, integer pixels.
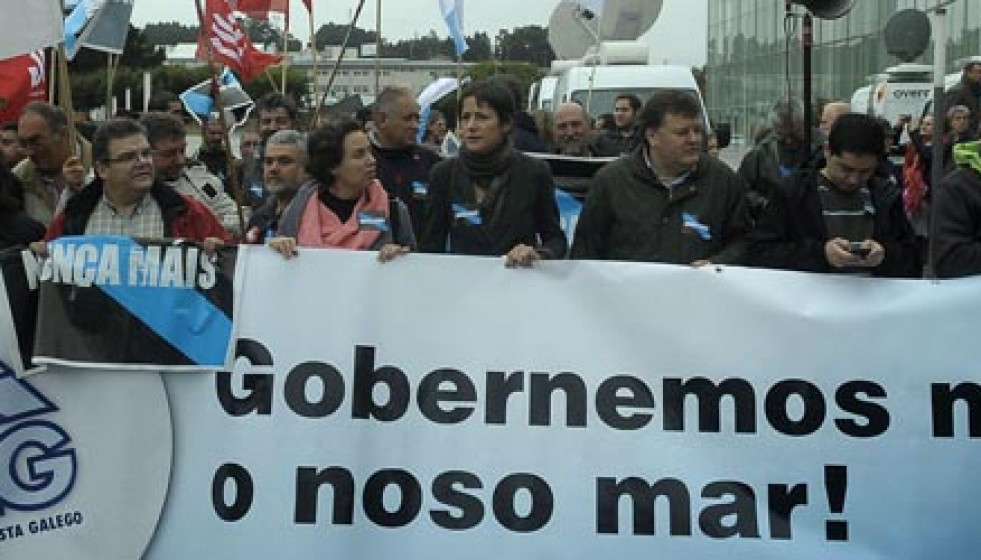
[{"x": 749, "y": 55}]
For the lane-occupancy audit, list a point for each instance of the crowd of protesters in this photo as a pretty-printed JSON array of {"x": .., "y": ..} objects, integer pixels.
[{"x": 833, "y": 199}]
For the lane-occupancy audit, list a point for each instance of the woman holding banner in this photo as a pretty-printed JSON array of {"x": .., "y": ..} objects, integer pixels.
[
  {"x": 346, "y": 207},
  {"x": 492, "y": 199}
]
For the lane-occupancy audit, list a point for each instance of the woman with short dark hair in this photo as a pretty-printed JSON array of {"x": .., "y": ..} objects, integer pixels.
[
  {"x": 492, "y": 200},
  {"x": 346, "y": 207}
]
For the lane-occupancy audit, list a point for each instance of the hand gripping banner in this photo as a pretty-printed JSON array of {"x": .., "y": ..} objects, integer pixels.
[{"x": 130, "y": 304}]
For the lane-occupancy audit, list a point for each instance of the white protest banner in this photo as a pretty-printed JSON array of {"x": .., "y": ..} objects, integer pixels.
[
  {"x": 447, "y": 407},
  {"x": 85, "y": 459}
]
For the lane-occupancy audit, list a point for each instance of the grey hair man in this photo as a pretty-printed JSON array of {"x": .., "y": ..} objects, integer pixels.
[
  {"x": 44, "y": 133},
  {"x": 168, "y": 140},
  {"x": 402, "y": 165},
  {"x": 284, "y": 172},
  {"x": 967, "y": 92}
]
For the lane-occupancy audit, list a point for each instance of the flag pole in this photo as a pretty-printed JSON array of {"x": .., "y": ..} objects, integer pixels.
[
  {"x": 316, "y": 64},
  {"x": 65, "y": 97},
  {"x": 286, "y": 46},
  {"x": 378, "y": 48},
  {"x": 340, "y": 57},
  {"x": 52, "y": 74},
  {"x": 225, "y": 134}
]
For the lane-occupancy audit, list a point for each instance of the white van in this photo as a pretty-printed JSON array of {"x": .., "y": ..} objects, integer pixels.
[
  {"x": 615, "y": 68},
  {"x": 541, "y": 94}
]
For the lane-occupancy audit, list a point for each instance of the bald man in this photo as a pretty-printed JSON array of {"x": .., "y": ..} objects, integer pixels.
[
  {"x": 830, "y": 114},
  {"x": 572, "y": 130}
]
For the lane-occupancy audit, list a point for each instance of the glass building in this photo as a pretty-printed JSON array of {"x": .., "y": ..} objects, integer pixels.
[{"x": 750, "y": 55}]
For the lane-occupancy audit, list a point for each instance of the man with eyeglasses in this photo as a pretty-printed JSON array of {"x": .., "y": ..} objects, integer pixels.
[
  {"x": 44, "y": 134},
  {"x": 126, "y": 199},
  {"x": 838, "y": 216},
  {"x": 168, "y": 140}
]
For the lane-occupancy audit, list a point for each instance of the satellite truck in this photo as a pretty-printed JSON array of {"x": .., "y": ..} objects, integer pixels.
[
  {"x": 907, "y": 88},
  {"x": 599, "y": 58}
]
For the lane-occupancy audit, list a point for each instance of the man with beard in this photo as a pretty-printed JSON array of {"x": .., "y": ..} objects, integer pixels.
[
  {"x": 285, "y": 171},
  {"x": 626, "y": 136},
  {"x": 168, "y": 141},
  {"x": 572, "y": 130},
  {"x": 402, "y": 165},
  {"x": 212, "y": 151}
]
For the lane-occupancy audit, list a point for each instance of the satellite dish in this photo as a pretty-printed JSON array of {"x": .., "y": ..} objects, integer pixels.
[
  {"x": 907, "y": 34},
  {"x": 573, "y": 29},
  {"x": 571, "y": 32},
  {"x": 627, "y": 20}
]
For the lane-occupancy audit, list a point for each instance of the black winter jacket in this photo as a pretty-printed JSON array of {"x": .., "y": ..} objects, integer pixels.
[
  {"x": 630, "y": 216},
  {"x": 527, "y": 214},
  {"x": 792, "y": 233}
]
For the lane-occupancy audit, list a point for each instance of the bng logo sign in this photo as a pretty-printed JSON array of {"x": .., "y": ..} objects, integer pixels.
[{"x": 37, "y": 463}]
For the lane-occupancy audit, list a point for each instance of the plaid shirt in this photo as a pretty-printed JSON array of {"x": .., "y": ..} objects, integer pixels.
[{"x": 146, "y": 220}]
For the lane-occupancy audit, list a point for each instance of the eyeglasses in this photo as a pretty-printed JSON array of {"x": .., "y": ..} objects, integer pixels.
[{"x": 145, "y": 154}]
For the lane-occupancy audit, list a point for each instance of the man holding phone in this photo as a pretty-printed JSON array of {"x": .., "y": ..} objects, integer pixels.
[{"x": 837, "y": 216}]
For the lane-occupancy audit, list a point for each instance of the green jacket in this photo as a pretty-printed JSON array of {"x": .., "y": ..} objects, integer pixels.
[{"x": 630, "y": 216}]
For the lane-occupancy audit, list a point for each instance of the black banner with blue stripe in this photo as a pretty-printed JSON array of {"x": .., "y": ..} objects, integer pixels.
[{"x": 135, "y": 304}]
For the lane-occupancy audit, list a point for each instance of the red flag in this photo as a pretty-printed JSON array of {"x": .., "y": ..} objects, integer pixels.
[
  {"x": 229, "y": 44},
  {"x": 22, "y": 80},
  {"x": 259, "y": 9}
]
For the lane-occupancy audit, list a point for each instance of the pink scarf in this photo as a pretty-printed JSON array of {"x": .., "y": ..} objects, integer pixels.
[{"x": 320, "y": 227}]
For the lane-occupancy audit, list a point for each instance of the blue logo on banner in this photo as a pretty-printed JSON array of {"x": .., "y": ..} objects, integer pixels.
[
  {"x": 151, "y": 283},
  {"x": 37, "y": 464}
]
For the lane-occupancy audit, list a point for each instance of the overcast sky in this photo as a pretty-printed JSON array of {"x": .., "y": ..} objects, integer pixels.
[{"x": 678, "y": 37}]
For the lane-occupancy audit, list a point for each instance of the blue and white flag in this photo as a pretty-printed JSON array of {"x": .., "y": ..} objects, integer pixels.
[
  {"x": 108, "y": 29},
  {"x": 236, "y": 102},
  {"x": 117, "y": 302},
  {"x": 80, "y": 17},
  {"x": 453, "y": 15}
]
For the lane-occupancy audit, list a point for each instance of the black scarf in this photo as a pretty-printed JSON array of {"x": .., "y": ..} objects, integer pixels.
[
  {"x": 489, "y": 172},
  {"x": 482, "y": 167}
]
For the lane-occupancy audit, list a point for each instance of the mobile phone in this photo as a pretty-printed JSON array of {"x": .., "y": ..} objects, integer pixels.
[{"x": 858, "y": 249}]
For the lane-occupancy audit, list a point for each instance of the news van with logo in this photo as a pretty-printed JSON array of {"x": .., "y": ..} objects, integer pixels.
[{"x": 903, "y": 90}]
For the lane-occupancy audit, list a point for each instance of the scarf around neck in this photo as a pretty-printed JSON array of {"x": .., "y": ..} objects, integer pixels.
[
  {"x": 319, "y": 227},
  {"x": 489, "y": 164}
]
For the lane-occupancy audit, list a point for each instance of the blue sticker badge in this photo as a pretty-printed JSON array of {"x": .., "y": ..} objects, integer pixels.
[
  {"x": 464, "y": 214},
  {"x": 690, "y": 222},
  {"x": 372, "y": 221},
  {"x": 419, "y": 189}
]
